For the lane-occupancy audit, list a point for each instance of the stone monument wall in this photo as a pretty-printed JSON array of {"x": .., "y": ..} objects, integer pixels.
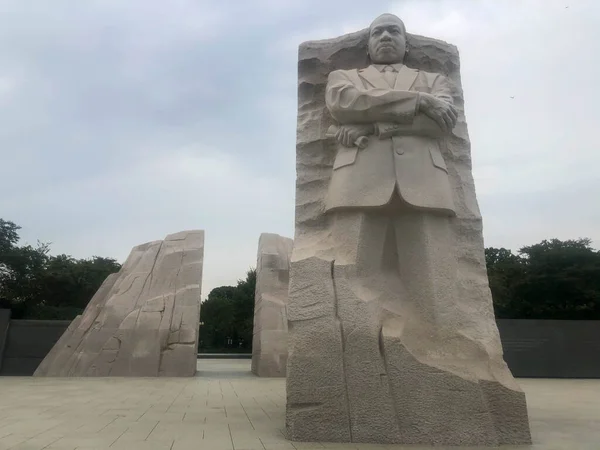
[
  {"x": 143, "y": 321},
  {"x": 362, "y": 372},
  {"x": 269, "y": 343}
]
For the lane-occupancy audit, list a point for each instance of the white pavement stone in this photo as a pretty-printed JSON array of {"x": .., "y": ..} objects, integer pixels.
[{"x": 228, "y": 409}]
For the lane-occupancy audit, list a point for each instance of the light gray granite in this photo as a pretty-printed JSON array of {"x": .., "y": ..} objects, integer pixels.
[
  {"x": 143, "y": 321},
  {"x": 269, "y": 343},
  {"x": 392, "y": 337}
]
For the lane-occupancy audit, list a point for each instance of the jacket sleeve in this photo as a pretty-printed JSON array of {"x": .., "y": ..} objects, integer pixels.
[
  {"x": 350, "y": 104},
  {"x": 421, "y": 125}
]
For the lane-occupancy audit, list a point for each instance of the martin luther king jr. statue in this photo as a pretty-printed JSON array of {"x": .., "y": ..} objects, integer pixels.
[
  {"x": 392, "y": 337},
  {"x": 389, "y": 186}
]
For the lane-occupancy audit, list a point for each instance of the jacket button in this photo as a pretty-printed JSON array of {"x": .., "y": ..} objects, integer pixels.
[{"x": 400, "y": 151}]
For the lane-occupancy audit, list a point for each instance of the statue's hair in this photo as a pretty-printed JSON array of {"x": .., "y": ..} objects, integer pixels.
[{"x": 395, "y": 17}]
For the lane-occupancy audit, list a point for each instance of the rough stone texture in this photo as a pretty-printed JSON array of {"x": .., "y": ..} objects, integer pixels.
[
  {"x": 269, "y": 342},
  {"x": 143, "y": 321},
  {"x": 363, "y": 366}
]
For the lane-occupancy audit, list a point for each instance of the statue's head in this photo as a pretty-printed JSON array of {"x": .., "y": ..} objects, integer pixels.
[{"x": 387, "y": 40}]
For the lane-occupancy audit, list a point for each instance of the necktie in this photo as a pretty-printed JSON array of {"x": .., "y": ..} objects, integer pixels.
[{"x": 389, "y": 73}]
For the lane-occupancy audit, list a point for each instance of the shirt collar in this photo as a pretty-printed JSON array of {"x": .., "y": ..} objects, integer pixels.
[{"x": 396, "y": 66}]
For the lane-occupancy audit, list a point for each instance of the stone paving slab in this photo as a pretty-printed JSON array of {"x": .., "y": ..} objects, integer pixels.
[{"x": 229, "y": 409}]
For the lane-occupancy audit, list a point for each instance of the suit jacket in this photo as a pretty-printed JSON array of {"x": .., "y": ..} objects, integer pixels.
[{"x": 404, "y": 153}]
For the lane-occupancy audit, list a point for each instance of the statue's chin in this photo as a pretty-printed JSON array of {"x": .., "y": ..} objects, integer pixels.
[
  {"x": 387, "y": 61},
  {"x": 391, "y": 57}
]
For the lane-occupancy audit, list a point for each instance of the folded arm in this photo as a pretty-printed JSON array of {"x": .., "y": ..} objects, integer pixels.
[
  {"x": 422, "y": 125},
  {"x": 350, "y": 104}
]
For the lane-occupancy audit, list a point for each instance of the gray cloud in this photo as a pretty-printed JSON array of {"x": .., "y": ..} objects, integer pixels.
[{"x": 125, "y": 121}]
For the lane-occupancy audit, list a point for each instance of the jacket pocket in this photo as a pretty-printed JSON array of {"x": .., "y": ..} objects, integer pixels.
[
  {"x": 345, "y": 156},
  {"x": 437, "y": 158}
]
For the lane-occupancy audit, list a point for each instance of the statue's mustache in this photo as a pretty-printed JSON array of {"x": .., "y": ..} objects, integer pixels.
[{"x": 386, "y": 44}]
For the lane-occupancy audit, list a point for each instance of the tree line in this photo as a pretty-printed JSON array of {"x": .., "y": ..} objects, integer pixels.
[
  {"x": 553, "y": 279},
  {"x": 37, "y": 285},
  {"x": 227, "y": 317}
]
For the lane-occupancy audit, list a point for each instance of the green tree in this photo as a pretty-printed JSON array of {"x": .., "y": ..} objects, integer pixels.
[
  {"x": 228, "y": 315},
  {"x": 243, "y": 301},
  {"x": 68, "y": 284},
  {"x": 216, "y": 318},
  {"x": 21, "y": 268},
  {"x": 504, "y": 271},
  {"x": 553, "y": 279},
  {"x": 35, "y": 285},
  {"x": 9, "y": 235},
  {"x": 562, "y": 280}
]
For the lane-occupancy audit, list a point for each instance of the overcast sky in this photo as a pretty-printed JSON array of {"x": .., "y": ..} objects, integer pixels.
[{"x": 122, "y": 121}]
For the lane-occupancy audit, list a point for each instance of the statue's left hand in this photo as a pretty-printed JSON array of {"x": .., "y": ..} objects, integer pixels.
[
  {"x": 443, "y": 113},
  {"x": 348, "y": 134}
]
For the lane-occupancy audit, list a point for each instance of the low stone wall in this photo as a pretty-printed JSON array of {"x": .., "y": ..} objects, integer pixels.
[
  {"x": 532, "y": 348},
  {"x": 27, "y": 344},
  {"x": 551, "y": 348},
  {"x": 4, "y": 322}
]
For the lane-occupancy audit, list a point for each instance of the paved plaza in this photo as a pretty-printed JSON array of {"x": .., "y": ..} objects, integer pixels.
[{"x": 227, "y": 408}]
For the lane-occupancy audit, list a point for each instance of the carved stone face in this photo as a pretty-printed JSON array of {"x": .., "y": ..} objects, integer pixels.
[{"x": 387, "y": 40}]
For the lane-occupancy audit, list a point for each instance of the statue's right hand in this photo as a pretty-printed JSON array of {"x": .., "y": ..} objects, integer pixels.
[
  {"x": 443, "y": 113},
  {"x": 347, "y": 135}
]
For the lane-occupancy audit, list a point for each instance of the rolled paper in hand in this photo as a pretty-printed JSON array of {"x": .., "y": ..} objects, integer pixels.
[{"x": 361, "y": 142}]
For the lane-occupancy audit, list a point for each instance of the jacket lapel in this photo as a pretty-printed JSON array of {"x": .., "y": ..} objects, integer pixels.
[
  {"x": 372, "y": 76},
  {"x": 405, "y": 78}
]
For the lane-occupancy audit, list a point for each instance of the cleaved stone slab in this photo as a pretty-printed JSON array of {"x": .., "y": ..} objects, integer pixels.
[
  {"x": 269, "y": 342},
  {"x": 392, "y": 336},
  {"x": 143, "y": 321}
]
